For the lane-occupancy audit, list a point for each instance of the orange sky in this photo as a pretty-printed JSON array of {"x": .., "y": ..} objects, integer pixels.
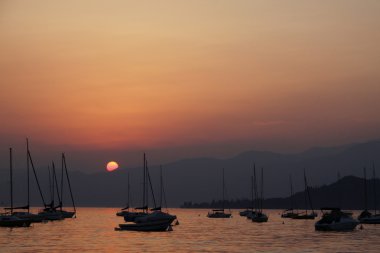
[{"x": 139, "y": 75}]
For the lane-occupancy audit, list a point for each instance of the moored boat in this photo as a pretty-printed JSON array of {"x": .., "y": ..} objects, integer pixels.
[
  {"x": 366, "y": 217},
  {"x": 258, "y": 215},
  {"x": 333, "y": 219},
  {"x": 220, "y": 213},
  {"x": 153, "y": 226},
  {"x": 10, "y": 220},
  {"x": 306, "y": 215}
]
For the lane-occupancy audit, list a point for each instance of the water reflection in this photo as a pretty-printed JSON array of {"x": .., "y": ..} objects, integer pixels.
[{"x": 93, "y": 230}]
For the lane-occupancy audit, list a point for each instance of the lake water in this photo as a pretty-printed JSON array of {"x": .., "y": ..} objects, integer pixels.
[{"x": 93, "y": 230}]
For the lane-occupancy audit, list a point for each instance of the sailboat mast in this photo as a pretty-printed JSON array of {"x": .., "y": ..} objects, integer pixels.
[
  {"x": 128, "y": 195},
  {"x": 11, "y": 176},
  {"x": 146, "y": 184},
  {"x": 374, "y": 187},
  {"x": 308, "y": 193},
  {"x": 365, "y": 188},
  {"x": 143, "y": 199},
  {"x": 255, "y": 186},
  {"x": 252, "y": 191},
  {"x": 339, "y": 192},
  {"x": 27, "y": 173},
  {"x": 68, "y": 182},
  {"x": 223, "y": 188},
  {"x": 161, "y": 186},
  {"x": 291, "y": 192},
  {"x": 50, "y": 191},
  {"x": 56, "y": 188},
  {"x": 61, "y": 204},
  {"x": 304, "y": 177},
  {"x": 262, "y": 190}
]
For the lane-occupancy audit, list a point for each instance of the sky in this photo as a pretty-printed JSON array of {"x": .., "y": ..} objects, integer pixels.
[{"x": 108, "y": 80}]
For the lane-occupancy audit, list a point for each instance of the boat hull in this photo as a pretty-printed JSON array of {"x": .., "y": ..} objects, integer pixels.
[
  {"x": 51, "y": 216},
  {"x": 13, "y": 221},
  {"x": 347, "y": 226},
  {"x": 289, "y": 215},
  {"x": 304, "y": 217},
  {"x": 67, "y": 214},
  {"x": 259, "y": 217},
  {"x": 370, "y": 220},
  {"x": 34, "y": 218},
  {"x": 156, "y": 226},
  {"x": 219, "y": 215},
  {"x": 131, "y": 216}
]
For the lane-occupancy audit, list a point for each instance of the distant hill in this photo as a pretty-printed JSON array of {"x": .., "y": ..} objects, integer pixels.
[
  {"x": 199, "y": 179},
  {"x": 347, "y": 193}
]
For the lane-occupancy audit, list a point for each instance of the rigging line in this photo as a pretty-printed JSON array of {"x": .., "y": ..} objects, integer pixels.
[
  {"x": 35, "y": 176},
  {"x": 61, "y": 204},
  {"x": 68, "y": 181},
  {"x": 27, "y": 172},
  {"x": 56, "y": 183},
  {"x": 151, "y": 187}
]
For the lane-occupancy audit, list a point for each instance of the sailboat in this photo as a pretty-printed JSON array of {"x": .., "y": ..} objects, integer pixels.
[
  {"x": 289, "y": 213},
  {"x": 220, "y": 213},
  {"x": 248, "y": 212},
  {"x": 144, "y": 220},
  {"x": 130, "y": 216},
  {"x": 27, "y": 214},
  {"x": 125, "y": 211},
  {"x": 50, "y": 211},
  {"x": 334, "y": 219},
  {"x": 156, "y": 213},
  {"x": 64, "y": 213},
  {"x": 8, "y": 219},
  {"x": 258, "y": 215},
  {"x": 366, "y": 216},
  {"x": 305, "y": 215}
]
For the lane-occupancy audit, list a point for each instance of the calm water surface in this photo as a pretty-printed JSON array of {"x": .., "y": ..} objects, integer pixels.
[{"x": 93, "y": 230}]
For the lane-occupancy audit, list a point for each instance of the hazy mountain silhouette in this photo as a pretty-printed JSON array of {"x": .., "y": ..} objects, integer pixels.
[
  {"x": 347, "y": 193},
  {"x": 199, "y": 179}
]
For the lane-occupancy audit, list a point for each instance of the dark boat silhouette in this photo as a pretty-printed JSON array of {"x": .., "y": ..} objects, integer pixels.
[
  {"x": 289, "y": 213},
  {"x": 148, "y": 220},
  {"x": 9, "y": 219},
  {"x": 220, "y": 213},
  {"x": 258, "y": 215},
  {"x": 35, "y": 218},
  {"x": 366, "y": 217},
  {"x": 333, "y": 219},
  {"x": 305, "y": 215}
]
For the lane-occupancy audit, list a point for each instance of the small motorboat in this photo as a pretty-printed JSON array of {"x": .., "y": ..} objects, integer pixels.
[
  {"x": 218, "y": 213},
  {"x": 156, "y": 216},
  {"x": 305, "y": 216},
  {"x": 367, "y": 217},
  {"x": 245, "y": 212},
  {"x": 288, "y": 213},
  {"x": 151, "y": 226},
  {"x": 259, "y": 217},
  {"x": 333, "y": 219}
]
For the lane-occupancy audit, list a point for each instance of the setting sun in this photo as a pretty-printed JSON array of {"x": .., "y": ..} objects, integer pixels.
[{"x": 111, "y": 166}]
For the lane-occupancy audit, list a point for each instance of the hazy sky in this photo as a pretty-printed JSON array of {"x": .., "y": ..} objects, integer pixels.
[{"x": 108, "y": 79}]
